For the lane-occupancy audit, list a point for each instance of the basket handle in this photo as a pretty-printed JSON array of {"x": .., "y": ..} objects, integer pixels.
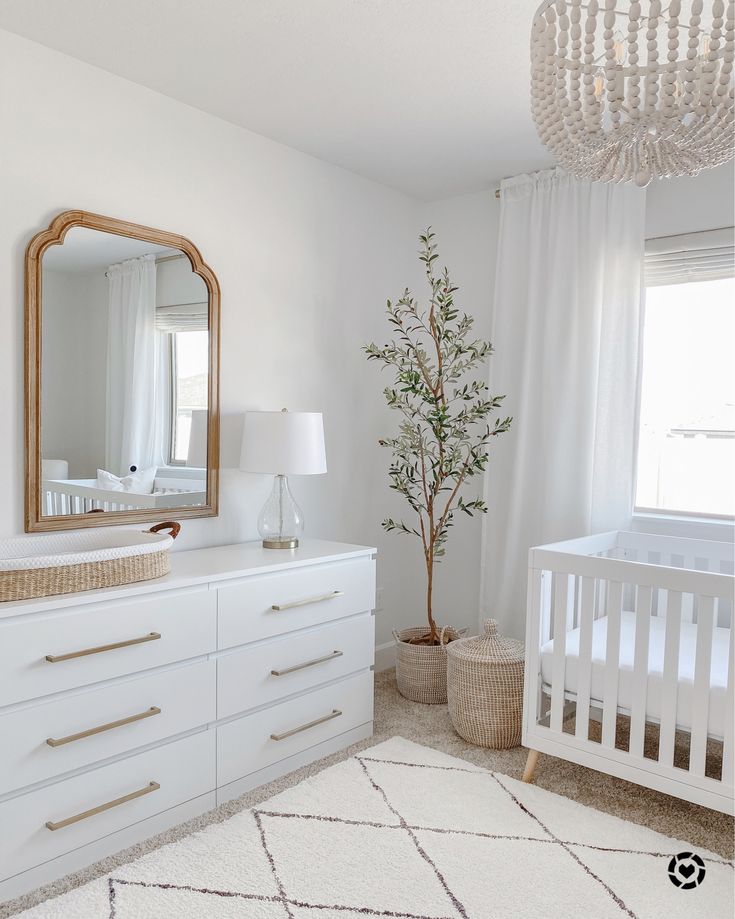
[
  {"x": 168, "y": 525},
  {"x": 460, "y": 634}
]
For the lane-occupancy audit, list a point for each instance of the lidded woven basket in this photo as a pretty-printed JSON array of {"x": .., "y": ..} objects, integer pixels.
[{"x": 485, "y": 688}]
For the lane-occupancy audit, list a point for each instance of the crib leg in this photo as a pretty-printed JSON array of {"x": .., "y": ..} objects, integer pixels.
[{"x": 531, "y": 763}]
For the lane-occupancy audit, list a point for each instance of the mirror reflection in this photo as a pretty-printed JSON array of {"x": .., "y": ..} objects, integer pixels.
[{"x": 125, "y": 376}]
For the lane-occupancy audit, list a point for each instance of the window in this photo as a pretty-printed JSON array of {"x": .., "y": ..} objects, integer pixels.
[
  {"x": 189, "y": 365},
  {"x": 686, "y": 437}
]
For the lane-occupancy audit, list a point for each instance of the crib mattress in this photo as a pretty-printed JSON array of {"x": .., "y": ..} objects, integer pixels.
[{"x": 687, "y": 653}]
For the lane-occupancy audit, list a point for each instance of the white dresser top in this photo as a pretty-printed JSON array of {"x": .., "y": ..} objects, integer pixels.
[{"x": 201, "y": 566}]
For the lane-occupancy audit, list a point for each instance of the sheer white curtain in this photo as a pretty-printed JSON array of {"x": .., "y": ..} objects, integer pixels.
[
  {"x": 566, "y": 331},
  {"x": 132, "y": 358}
]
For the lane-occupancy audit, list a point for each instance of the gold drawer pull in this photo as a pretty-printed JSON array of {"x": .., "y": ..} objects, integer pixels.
[
  {"x": 56, "y": 658},
  {"x": 335, "y": 713},
  {"x": 330, "y": 596},
  {"x": 101, "y": 808},
  {"x": 317, "y": 660},
  {"x": 60, "y": 741}
]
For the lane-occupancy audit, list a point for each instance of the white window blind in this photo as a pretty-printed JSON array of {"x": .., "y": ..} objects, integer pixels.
[
  {"x": 183, "y": 317},
  {"x": 707, "y": 256}
]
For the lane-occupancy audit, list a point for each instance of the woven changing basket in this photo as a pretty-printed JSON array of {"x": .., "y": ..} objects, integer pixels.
[
  {"x": 485, "y": 688},
  {"x": 61, "y": 563},
  {"x": 421, "y": 670}
]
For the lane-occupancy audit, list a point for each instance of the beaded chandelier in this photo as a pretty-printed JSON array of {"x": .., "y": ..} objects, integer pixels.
[{"x": 625, "y": 90}]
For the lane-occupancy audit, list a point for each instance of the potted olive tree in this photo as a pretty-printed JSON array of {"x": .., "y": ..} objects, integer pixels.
[{"x": 443, "y": 441}]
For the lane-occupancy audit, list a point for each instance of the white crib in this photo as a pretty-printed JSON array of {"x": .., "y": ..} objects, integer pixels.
[
  {"x": 80, "y": 496},
  {"x": 641, "y": 626}
]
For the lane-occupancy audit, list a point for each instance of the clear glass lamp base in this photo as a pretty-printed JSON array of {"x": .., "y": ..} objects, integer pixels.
[{"x": 281, "y": 521}]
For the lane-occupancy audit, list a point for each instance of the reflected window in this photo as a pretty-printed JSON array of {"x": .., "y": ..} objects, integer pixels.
[{"x": 189, "y": 388}]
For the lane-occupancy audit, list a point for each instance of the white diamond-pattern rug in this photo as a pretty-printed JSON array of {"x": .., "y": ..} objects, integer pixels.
[{"x": 405, "y": 832}]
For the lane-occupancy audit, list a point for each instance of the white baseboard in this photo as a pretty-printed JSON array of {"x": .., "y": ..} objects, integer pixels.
[{"x": 385, "y": 656}]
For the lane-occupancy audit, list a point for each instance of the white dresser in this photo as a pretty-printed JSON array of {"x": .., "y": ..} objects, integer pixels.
[{"x": 127, "y": 710}]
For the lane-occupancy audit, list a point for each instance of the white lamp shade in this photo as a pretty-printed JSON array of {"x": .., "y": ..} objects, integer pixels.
[
  {"x": 283, "y": 443},
  {"x": 197, "y": 455}
]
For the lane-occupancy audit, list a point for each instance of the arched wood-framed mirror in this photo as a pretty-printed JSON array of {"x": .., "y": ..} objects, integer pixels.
[{"x": 121, "y": 376}]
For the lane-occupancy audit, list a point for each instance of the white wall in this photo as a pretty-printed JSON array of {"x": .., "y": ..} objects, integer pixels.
[
  {"x": 687, "y": 205},
  {"x": 306, "y": 255},
  {"x": 177, "y": 283},
  {"x": 466, "y": 230}
]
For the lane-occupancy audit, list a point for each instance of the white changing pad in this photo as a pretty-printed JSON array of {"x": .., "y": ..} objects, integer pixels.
[{"x": 687, "y": 651}]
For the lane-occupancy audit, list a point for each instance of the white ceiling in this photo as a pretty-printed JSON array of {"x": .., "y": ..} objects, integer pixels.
[
  {"x": 428, "y": 96},
  {"x": 85, "y": 250}
]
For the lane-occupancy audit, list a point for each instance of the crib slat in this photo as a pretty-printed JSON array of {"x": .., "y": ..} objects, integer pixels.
[
  {"x": 612, "y": 663},
  {"x": 534, "y": 625},
  {"x": 728, "y": 772},
  {"x": 662, "y": 595},
  {"x": 584, "y": 668},
  {"x": 644, "y": 597},
  {"x": 561, "y": 593},
  {"x": 687, "y": 602},
  {"x": 546, "y": 578},
  {"x": 700, "y": 697},
  {"x": 571, "y": 602},
  {"x": 670, "y": 682}
]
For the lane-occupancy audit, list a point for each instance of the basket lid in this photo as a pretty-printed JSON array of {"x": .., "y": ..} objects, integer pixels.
[{"x": 488, "y": 647}]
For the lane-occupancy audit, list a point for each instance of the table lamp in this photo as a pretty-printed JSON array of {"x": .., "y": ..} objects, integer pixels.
[
  {"x": 282, "y": 443},
  {"x": 197, "y": 453}
]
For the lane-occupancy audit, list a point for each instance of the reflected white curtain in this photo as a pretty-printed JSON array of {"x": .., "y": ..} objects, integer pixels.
[
  {"x": 132, "y": 378},
  {"x": 566, "y": 330}
]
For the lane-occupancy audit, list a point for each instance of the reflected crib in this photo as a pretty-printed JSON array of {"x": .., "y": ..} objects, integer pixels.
[
  {"x": 629, "y": 661},
  {"x": 80, "y": 496}
]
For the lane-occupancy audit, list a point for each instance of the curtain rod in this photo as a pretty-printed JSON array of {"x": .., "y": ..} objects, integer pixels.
[
  {"x": 169, "y": 258},
  {"x": 164, "y": 258},
  {"x": 689, "y": 233}
]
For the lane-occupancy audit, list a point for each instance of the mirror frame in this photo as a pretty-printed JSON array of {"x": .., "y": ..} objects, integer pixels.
[{"x": 54, "y": 236}]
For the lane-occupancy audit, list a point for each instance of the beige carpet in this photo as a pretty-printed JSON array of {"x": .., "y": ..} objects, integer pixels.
[{"x": 431, "y": 726}]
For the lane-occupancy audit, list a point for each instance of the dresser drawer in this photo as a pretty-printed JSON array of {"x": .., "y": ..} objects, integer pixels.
[
  {"x": 263, "y": 673},
  {"x": 77, "y": 730},
  {"x": 272, "y": 604},
  {"x": 152, "y": 782},
  {"x": 47, "y": 654},
  {"x": 258, "y": 740}
]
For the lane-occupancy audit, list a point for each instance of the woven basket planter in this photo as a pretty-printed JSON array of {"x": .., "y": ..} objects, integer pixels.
[
  {"x": 421, "y": 670},
  {"x": 62, "y": 563},
  {"x": 485, "y": 688}
]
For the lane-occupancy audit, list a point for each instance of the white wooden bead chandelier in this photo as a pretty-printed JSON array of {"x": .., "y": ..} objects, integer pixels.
[{"x": 625, "y": 90}]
